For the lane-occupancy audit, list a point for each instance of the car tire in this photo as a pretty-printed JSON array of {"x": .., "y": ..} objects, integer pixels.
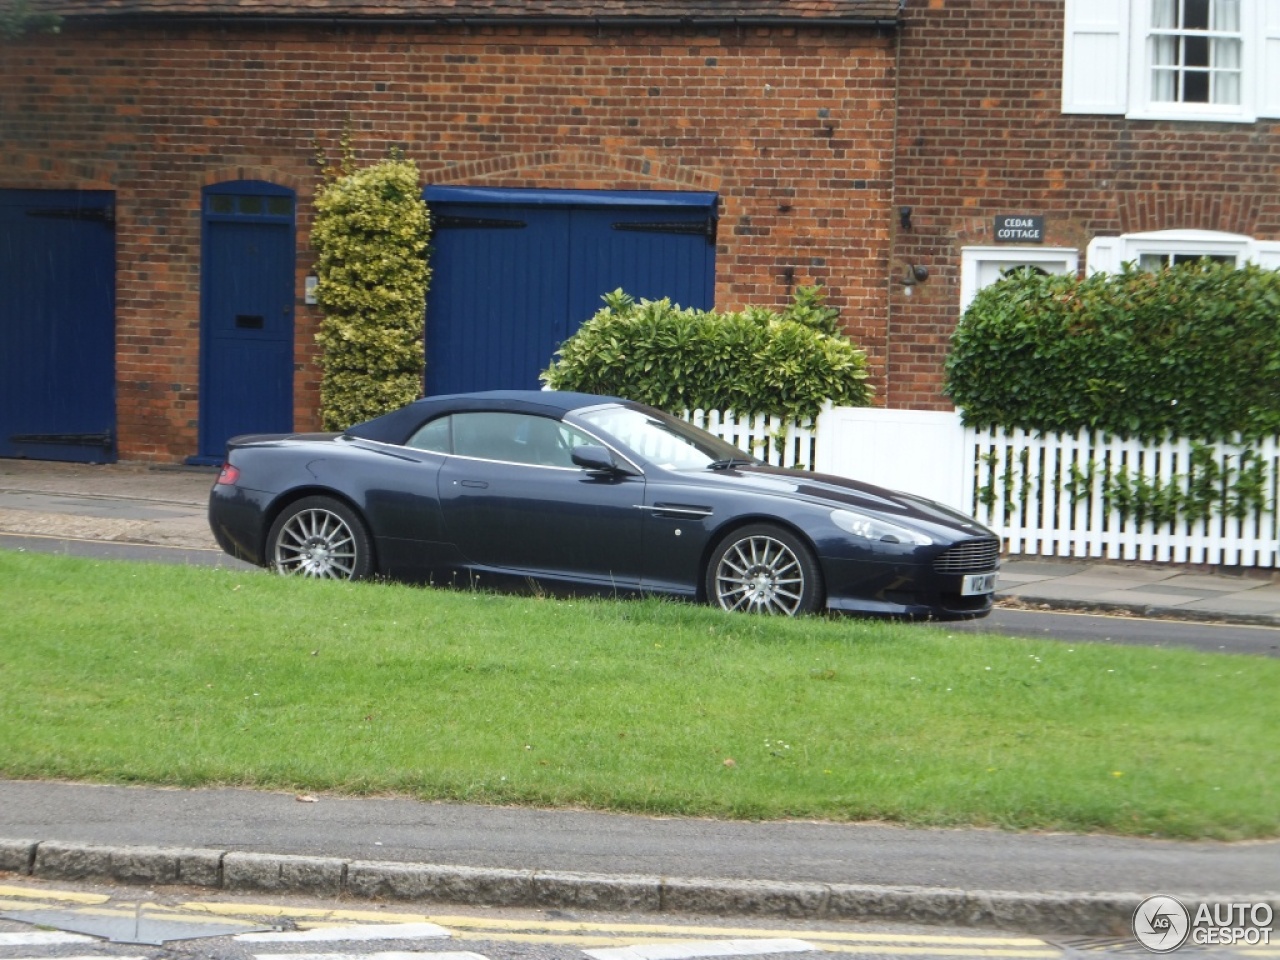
[
  {"x": 320, "y": 537},
  {"x": 764, "y": 568}
]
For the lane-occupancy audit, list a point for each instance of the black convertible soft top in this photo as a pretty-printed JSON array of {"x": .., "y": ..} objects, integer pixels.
[{"x": 397, "y": 426}]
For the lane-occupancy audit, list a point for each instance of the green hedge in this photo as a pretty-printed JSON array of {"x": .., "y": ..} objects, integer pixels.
[
  {"x": 1190, "y": 351},
  {"x": 370, "y": 235},
  {"x": 751, "y": 362},
  {"x": 17, "y": 19}
]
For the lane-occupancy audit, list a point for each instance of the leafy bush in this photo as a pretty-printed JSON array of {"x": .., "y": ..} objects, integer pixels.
[
  {"x": 17, "y": 19},
  {"x": 751, "y": 362},
  {"x": 370, "y": 234},
  {"x": 1190, "y": 351}
]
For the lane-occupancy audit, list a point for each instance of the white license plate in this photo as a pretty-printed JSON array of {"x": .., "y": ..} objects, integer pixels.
[{"x": 976, "y": 583}]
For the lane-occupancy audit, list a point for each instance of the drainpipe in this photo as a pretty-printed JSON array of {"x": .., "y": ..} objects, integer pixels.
[{"x": 893, "y": 205}]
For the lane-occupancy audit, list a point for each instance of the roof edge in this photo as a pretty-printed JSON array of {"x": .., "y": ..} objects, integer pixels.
[{"x": 444, "y": 20}]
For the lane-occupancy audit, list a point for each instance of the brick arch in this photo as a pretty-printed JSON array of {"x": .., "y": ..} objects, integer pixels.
[
  {"x": 1165, "y": 210},
  {"x": 24, "y": 170},
  {"x": 269, "y": 174},
  {"x": 584, "y": 169}
]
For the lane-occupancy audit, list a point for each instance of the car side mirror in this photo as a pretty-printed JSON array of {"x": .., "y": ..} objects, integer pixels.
[{"x": 594, "y": 459}]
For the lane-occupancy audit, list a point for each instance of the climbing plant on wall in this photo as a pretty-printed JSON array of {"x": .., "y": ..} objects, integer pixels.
[{"x": 370, "y": 236}]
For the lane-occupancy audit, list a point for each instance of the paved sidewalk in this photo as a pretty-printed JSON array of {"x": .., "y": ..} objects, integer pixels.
[
  {"x": 393, "y": 848},
  {"x": 1148, "y": 589},
  {"x": 165, "y": 505}
]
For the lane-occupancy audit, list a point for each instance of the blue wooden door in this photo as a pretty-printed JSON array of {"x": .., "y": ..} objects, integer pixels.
[
  {"x": 650, "y": 252},
  {"x": 498, "y": 295},
  {"x": 516, "y": 272},
  {"x": 246, "y": 382},
  {"x": 57, "y": 325}
]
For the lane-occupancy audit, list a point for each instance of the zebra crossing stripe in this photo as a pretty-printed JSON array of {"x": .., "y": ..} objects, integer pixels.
[
  {"x": 364, "y": 931},
  {"x": 692, "y": 949},
  {"x": 42, "y": 938}
]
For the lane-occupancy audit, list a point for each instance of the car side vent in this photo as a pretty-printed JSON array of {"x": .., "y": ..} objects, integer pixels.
[{"x": 971, "y": 556}]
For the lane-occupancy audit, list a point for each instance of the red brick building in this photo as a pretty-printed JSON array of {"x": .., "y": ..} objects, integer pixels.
[
  {"x": 161, "y": 155},
  {"x": 1106, "y": 130}
]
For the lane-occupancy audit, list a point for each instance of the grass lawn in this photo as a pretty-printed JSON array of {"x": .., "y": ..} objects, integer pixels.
[{"x": 133, "y": 673}]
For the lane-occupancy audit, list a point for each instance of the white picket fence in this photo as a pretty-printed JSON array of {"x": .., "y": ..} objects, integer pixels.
[
  {"x": 777, "y": 441},
  {"x": 1098, "y": 496},
  {"x": 1053, "y": 495}
]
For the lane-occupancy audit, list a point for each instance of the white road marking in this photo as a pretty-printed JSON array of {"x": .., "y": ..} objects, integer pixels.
[
  {"x": 364, "y": 931},
  {"x": 689, "y": 950},
  {"x": 42, "y": 938}
]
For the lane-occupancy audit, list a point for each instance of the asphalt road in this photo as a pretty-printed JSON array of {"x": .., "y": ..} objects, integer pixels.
[{"x": 1095, "y": 628}]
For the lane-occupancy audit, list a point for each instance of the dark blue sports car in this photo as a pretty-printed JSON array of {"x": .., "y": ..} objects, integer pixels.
[{"x": 580, "y": 493}]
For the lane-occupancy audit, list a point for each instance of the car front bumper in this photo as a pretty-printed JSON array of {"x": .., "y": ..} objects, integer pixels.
[{"x": 898, "y": 588}]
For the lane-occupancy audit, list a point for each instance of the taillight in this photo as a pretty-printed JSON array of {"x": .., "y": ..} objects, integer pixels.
[{"x": 228, "y": 475}]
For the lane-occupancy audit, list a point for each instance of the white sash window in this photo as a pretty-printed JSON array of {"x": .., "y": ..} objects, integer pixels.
[
  {"x": 1195, "y": 51},
  {"x": 1165, "y": 248},
  {"x": 1173, "y": 59}
]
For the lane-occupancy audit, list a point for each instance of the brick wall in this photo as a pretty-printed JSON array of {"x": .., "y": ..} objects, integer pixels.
[
  {"x": 793, "y": 128},
  {"x": 981, "y": 134}
]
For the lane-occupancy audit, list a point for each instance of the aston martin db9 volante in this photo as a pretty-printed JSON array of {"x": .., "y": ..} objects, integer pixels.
[{"x": 578, "y": 493}]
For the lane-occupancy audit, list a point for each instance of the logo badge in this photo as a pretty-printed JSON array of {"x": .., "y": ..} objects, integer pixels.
[{"x": 1161, "y": 924}]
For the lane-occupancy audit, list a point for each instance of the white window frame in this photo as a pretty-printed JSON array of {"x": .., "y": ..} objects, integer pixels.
[
  {"x": 1109, "y": 254},
  {"x": 972, "y": 259},
  {"x": 1107, "y": 69},
  {"x": 1144, "y": 106}
]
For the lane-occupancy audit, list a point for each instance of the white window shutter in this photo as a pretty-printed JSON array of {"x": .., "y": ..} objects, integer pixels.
[
  {"x": 1095, "y": 63},
  {"x": 1267, "y": 254},
  {"x": 1269, "y": 61},
  {"x": 1103, "y": 255}
]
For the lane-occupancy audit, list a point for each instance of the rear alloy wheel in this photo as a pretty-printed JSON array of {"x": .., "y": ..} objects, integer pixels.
[
  {"x": 764, "y": 569},
  {"x": 320, "y": 537}
]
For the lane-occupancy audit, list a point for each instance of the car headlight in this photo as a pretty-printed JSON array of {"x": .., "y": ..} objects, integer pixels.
[{"x": 873, "y": 528}]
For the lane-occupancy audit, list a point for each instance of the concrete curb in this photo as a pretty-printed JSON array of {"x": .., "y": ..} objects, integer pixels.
[
  {"x": 1101, "y": 914},
  {"x": 1058, "y": 604}
]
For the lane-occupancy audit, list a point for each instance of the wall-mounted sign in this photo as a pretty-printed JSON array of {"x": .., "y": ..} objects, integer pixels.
[{"x": 1019, "y": 228}]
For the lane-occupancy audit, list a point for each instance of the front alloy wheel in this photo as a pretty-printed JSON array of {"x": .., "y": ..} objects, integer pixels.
[
  {"x": 322, "y": 538},
  {"x": 764, "y": 569}
]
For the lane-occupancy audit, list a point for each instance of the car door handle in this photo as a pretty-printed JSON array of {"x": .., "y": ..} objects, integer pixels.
[{"x": 478, "y": 484}]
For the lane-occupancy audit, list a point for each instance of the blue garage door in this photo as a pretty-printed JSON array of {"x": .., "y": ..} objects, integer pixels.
[
  {"x": 516, "y": 272},
  {"x": 57, "y": 325}
]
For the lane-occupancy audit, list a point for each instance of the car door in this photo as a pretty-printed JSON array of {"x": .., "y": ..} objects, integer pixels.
[{"x": 512, "y": 499}]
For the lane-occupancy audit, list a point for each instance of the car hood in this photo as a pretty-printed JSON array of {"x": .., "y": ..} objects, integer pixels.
[{"x": 835, "y": 492}]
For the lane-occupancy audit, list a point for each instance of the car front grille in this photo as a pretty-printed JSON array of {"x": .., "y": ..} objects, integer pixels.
[{"x": 971, "y": 556}]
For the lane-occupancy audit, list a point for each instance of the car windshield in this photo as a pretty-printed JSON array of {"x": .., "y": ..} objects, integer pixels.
[{"x": 662, "y": 439}]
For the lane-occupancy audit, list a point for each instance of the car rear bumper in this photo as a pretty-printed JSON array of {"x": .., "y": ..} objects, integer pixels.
[{"x": 235, "y": 518}]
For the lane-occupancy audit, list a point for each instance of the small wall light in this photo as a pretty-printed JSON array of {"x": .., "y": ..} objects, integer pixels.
[
  {"x": 904, "y": 217},
  {"x": 914, "y": 273}
]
